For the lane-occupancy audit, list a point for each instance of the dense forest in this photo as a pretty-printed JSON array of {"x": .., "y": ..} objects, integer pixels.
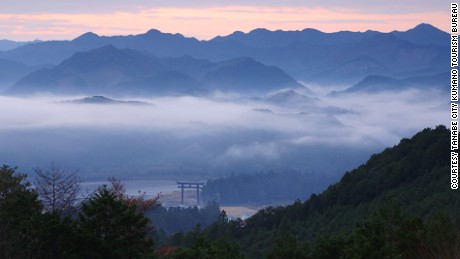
[
  {"x": 172, "y": 220},
  {"x": 397, "y": 205},
  {"x": 107, "y": 224}
]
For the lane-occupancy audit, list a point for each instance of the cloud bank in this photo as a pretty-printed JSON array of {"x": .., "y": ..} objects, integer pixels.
[{"x": 189, "y": 135}]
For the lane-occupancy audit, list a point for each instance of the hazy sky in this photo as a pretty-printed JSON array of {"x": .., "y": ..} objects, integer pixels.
[{"x": 204, "y": 19}]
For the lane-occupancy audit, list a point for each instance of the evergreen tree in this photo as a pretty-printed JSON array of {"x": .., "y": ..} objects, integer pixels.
[
  {"x": 20, "y": 213},
  {"x": 113, "y": 228}
]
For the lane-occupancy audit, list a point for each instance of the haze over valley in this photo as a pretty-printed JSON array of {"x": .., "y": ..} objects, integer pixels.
[{"x": 164, "y": 106}]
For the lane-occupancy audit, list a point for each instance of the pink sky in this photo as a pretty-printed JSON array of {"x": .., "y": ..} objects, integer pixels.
[{"x": 208, "y": 21}]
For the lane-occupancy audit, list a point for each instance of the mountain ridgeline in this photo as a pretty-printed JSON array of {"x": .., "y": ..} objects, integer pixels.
[
  {"x": 131, "y": 72},
  {"x": 157, "y": 63},
  {"x": 388, "y": 203}
]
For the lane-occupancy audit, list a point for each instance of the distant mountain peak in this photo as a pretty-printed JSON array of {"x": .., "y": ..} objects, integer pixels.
[
  {"x": 87, "y": 36},
  {"x": 96, "y": 99},
  {"x": 239, "y": 33},
  {"x": 310, "y": 30},
  {"x": 259, "y": 30},
  {"x": 153, "y": 32},
  {"x": 424, "y": 33},
  {"x": 99, "y": 99},
  {"x": 425, "y": 25},
  {"x": 288, "y": 96},
  {"x": 420, "y": 28}
]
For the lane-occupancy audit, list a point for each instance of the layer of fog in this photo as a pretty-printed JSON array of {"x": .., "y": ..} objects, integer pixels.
[{"x": 191, "y": 137}]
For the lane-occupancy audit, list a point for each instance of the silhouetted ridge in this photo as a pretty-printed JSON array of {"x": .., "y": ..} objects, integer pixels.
[
  {"x": 424, "y": 34},
  {"x": 86, "y": 37},
  {"x": 308, "y": 55}
]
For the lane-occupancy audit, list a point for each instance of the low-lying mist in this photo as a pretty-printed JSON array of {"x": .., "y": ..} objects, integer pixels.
[{"x": 192, "y": 137}]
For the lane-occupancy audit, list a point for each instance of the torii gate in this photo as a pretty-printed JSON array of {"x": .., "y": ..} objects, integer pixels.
[{"x": 190, "y": 185}]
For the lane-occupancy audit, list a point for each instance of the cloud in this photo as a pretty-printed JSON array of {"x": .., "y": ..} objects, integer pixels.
[
  {"x": 390, "y": 116},
  {"x": 189, "y": 135},
  {"x": 370, "y": 116},
  {"x": 253, "y": 150}
]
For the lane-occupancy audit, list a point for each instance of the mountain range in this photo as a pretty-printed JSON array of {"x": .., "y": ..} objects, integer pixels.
[
  {"x": 162, "y": 62},
  {"x": 377, "y": 84},
  {"x": 131, "y": 72},
  {"x": 11, "y": 70},
  {"x": 6, "y": 45}
]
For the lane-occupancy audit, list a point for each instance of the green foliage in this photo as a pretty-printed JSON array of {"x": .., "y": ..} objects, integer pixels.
[
  {"x": 204, "y": 248},
  {"x": 113, "y": 228},
  {"x": 177, "y": 219},
  {"x": 382, "y": 209},
  {"x": 223, "y": 227},
  {"x": 19, "y": 215},
  {"x": 108, "y": 226},
  {"x": 388, "y": 234},
  {"x": 289, "y": 247},
  {"x": 380, "y": 236},
  {"x": 440, "y": 237},
  {"x": 59, "y": 237},
  {"x": 329, "y": 247}
]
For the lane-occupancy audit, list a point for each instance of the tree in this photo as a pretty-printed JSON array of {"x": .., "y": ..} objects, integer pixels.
[
  {"x": 288, "y": 247},
  {"x": 20, "y": 213},
  {"x": 57, "y": 188},
  {"x": 141, "y": 201},
  {"x": 202, "y": 247},
  {"x": 113, "y": 227}
]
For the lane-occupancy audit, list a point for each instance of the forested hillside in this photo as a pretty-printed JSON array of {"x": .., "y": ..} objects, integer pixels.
[{"x": 397, "y": 205}]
